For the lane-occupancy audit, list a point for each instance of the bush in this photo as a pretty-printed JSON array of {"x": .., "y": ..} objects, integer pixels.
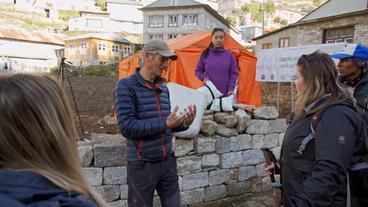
[{"x": 94, "y": 70}]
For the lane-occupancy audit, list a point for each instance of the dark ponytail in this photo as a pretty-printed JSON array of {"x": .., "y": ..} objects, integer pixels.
[{"x": 205, "y": 52}]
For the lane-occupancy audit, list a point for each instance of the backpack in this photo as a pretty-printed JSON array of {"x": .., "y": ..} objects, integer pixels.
[{"x": 358, "y": 174}]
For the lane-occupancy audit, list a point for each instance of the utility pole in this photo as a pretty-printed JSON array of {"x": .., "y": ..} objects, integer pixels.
[{"x": 263, "y": 16}]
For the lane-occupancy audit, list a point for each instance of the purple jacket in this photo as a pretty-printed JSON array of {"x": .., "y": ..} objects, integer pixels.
[{"x": 220, "y": 67}]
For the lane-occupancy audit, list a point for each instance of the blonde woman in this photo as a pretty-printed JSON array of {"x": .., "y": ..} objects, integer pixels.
[
  {"x": 39, "y": 163},
  {"x": 315, "y": 159}
]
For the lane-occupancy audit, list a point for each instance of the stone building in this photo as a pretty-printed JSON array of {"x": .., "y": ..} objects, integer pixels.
[
  {"x": 334, "y": 21},
  {"x": 167, "y": 19}
]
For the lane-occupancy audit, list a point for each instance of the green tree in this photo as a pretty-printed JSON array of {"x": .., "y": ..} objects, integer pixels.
[
  {"x": 231, "y": 20},
  {"x": 284, "y": 22},
  {"x": 269, "y": 7},
  {"x": 102, "y": 4},
  {"x": 254, "y": 9}
]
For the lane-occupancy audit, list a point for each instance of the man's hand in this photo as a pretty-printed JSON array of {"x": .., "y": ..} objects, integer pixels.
[
  {"x": 190, "y": 115},
  {"x": 173, "y": 120},
  {"x": 230, "y": 93}
]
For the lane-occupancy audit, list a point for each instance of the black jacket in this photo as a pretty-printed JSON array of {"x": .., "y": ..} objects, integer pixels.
[
  {"x": 318, "y": 177},
  {"x": 21, "y": 189}
]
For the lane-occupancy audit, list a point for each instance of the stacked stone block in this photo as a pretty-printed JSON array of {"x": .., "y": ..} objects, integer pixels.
[{"x": 222, "y": 164}]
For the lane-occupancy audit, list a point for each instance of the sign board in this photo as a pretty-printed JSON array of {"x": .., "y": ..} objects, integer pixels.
[{"x": 278, "y": 64}]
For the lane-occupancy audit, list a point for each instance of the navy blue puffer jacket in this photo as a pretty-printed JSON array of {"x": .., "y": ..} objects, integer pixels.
[
  {"x": 28, "y": 189},
  {"x": 142, "y": 111}
]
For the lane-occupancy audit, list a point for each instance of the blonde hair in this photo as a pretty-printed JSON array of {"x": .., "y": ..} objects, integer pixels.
[
  {"x": 37, "y": 133},
  {"x": 321, "y": 77}
]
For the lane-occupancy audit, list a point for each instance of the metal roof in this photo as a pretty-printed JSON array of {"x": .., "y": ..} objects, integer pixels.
[
  {"x": 104, "y": 36},
  {"x": 31, "y": 36}
]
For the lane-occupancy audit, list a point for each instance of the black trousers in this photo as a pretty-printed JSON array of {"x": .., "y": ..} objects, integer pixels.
[{"x": 145, "y": 177}]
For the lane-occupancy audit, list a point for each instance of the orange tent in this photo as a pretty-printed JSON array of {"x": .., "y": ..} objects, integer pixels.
[{"x": 189, "y": 48}]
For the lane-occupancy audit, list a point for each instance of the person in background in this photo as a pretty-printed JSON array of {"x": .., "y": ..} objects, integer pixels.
[
  {"x": 39, "y": 162},
  {"x": 218, "y": 64},
  {"x": 143, "y": 110},
  {"x": 353, "y": 68},
  {"x": 315, "y": 161}
]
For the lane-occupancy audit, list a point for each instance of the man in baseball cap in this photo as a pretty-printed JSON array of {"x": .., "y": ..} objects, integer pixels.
[
  {"x": 353, "y": 67},
  {"x": 147, "y": 122}
]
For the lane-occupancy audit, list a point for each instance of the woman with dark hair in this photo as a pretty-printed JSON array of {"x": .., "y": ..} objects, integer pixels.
[
  {"x": 218, "y": 64},
  {"x": 315, "y": 159}
]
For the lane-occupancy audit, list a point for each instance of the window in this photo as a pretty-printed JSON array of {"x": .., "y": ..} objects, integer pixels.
[
  {"x": 94, "y": 23},
  {"x": 172, "y": 36},
  {"x": 190, "y": 19},
  {"x": 156, "y": 37},
  {"x": 342, "y": 34},
  {"x": 127, "y": 51},
  {"x": 102, "y": 48},
  {"x": 173, "y": 21},
  {"x": 83, "y": 47},
  {"x": 266, "y": 45},
  {"x": 156, "y": 21},
  {"x": 284, "y": 42},
  {"x": 71, "y": 48},
  {"x": 115, "y": 50}
]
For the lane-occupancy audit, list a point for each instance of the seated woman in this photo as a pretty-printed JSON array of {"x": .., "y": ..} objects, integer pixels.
[
  {"x": 218, "y": 64},
  {"x": 323, "y": 141},
  {"x": 39, "y": 162}
]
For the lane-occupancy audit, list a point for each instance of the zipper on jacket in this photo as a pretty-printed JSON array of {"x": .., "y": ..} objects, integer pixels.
[{"x": 160, "y": 115}]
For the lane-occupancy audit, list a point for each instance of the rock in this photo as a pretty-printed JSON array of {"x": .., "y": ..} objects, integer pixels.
[
  {"x": 115, "y": 175},
  {"x": 231, "y": 159},
  {"x": 124, "y": 191},
  {"x": 183, "y": 146},
  {"x": 109, "y": 150},
  {"x": 191, "y": 197},
  {"x": 238, "y": 188},
  {"x": 223, "y": 145},
  {"x": 257, "y": 141},
  {"x": 277, "y": 126},
  {"x": 214, "y": 192},
  {"x": 101, "y": 122},
  {"x": 208, "y": 117},
  {"x": 247, "y": 172},
  {"x": 180, "y": 180},
  {"x": 93, "y": 175},
  {"x": 210, "y": 160},
  {"x": 85, "y": 155},
  {"x": 194, "y": 181},
  {"x": 156, "y": 201},
  {"x": 231, "y": 121},
  {"x": 204, "y": 144},
  {"x": 109, "y": 192},
  {"x": 252, "y": 157},
  {"x": 241, "y": 142},
  {"x": 234, "y": 174},
  {"x": 271, "y": 140},
  {"x": 281, "y": 138},
  {"x": 189, "y": 165},
  {"x": 208, "y": 127},
  {"x": 241, "y": 126},
  {"x": 241, "y": 114},
  {"x": 110, "y": 120},
  {"x": 219, "y": 176},
  {"x": 260, "y": 172},
  {"x": 119, "y": 203},
  {"x": 85, "y": 142},
  {"x": 266, "y": 112},
  {"x": 222, "y": 130},
  {"x": 277, "y": 151},
  {"x": 256, "y": 126},
  {"x": 208, "y": 112},
  {"x": 220, "y": 117}
]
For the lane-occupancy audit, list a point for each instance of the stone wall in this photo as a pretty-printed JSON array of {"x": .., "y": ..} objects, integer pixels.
[{"x": 223, "y": 165}]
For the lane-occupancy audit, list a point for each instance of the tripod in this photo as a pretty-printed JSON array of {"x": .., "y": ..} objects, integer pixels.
[{"x": 64, "y": 72}]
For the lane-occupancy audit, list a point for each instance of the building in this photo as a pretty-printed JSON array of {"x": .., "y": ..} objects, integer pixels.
[
  {"x": 249, "y": 32},
  {"x": 28, "y": 51},
  {"x": 99, "y": 48},
  {"x": 334, "y": 21},
  {"x": 167, "y": 19},
  {"x": 93, "y": 21}
]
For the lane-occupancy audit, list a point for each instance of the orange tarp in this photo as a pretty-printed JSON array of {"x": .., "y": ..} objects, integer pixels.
[{"x": 189, "y": 48}]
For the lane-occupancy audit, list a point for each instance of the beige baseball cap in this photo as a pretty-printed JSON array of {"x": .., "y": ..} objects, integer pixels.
[{"x": 160, "y": 47}]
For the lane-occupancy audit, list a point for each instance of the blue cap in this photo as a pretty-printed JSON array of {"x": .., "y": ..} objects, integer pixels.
[{"x": 352, "y": 51}]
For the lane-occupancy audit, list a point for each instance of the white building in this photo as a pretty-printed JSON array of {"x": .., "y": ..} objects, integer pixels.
[{"x": 25, "y": 51}]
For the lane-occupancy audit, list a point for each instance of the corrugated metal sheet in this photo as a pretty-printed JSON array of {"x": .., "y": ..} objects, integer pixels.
[
  {"x": 336, "y": 7},
  {"x": 105, "y": 36},
  {"x": 31, "y": 36}
]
